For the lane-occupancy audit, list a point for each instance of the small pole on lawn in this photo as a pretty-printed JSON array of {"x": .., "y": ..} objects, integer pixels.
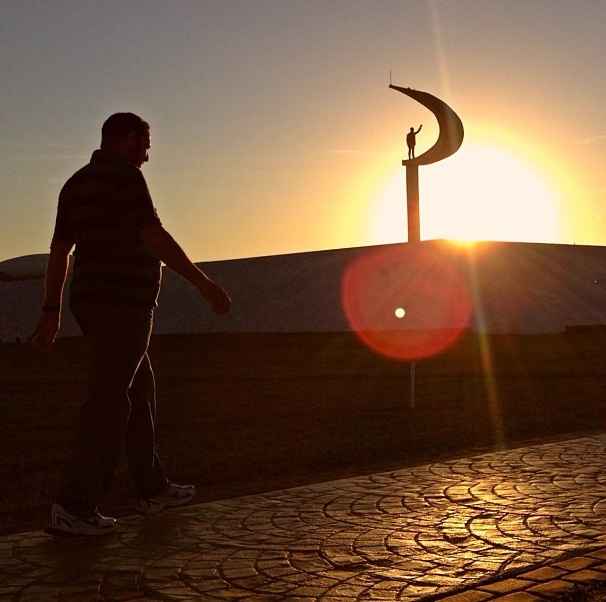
[{"x": 413, "y": 367}]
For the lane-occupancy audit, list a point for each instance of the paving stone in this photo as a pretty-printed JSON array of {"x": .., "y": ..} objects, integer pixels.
[
  {"x": 472, "y": 595},
  {"x": 576, "y": 564},
  {"x": 406, "y": 534},
  {"x": 585, "y": 576},
  {"x": 543, "y": 574},
  {"x": 518, "y": 597},
  {"x": 600, "y": 554},
  {"x": 307, "y": 591},
  {"x": 347, "y": 591},
  {"x": 554, "y": 588},
  {"x": 506, "y": 585},
  {"x": 219, "y": 594}
]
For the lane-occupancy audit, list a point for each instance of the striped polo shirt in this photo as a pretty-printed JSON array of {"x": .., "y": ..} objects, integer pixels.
[{"x": 102, "y": 208}]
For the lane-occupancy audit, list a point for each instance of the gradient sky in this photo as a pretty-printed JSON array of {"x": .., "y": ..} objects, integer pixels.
[{"x": 273, "y": 129}]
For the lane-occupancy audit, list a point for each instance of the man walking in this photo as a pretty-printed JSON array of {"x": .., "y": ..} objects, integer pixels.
[
  {"x": 411, "y": 141},
  {"x": 105, "y": 209}
]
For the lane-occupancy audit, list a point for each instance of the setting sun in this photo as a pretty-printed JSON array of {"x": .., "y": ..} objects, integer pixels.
[{"x": 481, "y": 193}]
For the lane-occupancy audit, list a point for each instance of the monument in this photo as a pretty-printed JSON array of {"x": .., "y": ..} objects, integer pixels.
[{"x": 449, "y": 140}]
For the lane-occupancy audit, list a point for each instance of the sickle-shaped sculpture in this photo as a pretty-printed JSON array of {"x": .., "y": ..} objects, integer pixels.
[
  {"x": 449, "y": 141},
  {"x": 451, "y": 127}
]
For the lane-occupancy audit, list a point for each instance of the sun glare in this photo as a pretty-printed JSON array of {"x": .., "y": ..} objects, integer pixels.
[
  {"x": 480, "y": 193},
  {"x": 463, "y": 242}
]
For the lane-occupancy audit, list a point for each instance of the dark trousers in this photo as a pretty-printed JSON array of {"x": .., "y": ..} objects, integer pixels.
[{"x": 119, "y": 411}]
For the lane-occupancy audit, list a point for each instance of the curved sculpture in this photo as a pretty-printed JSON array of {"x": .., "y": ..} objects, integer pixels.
[
  {"x": 449, "y": 141},
  {"x": 451, "y": 127}
]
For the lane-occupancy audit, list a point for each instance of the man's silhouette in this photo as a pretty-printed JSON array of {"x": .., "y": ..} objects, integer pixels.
[
  {"x": 411, "y": 140},
  {"x": 105, "y": 209}
]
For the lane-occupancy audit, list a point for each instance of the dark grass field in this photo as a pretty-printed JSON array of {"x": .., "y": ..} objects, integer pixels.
[{"x": 249, "y": 413}]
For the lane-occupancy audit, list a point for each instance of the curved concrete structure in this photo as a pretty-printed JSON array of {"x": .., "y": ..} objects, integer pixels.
[
  {"x": 525, "y": 288},
  {"x": 449, "y": 141},
  {"x": 451, "y": 128},
  {"x": 28, "y": 267}
]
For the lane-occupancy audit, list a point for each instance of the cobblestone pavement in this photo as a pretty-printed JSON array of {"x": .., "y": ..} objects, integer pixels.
[{"x": 479, "y": 527}]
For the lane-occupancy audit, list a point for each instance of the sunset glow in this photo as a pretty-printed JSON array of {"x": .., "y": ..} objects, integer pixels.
[
  {"x": 288, "y": 139},
  {"x": 481, "y": 193}
]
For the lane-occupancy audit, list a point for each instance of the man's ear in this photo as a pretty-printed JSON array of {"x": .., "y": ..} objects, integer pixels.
[{"x": 131, "y": 140}]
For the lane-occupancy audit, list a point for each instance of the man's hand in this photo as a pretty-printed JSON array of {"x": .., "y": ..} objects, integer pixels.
[
  {"x": 219, "y": 300},
  {"x": 164, "y": 247},
  {"x": 56, "y": 272},
  {"x": 46, "y": 331}
]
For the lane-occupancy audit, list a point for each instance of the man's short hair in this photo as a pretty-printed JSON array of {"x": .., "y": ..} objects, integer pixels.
[{"x": 119, "y": 125}]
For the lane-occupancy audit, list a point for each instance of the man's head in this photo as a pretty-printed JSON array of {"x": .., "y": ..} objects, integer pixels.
[
  {"x": 412, "y": 129},
  {"x": 127, "y": 135}
]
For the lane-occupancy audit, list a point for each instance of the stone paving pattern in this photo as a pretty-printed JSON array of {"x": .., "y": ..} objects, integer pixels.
[{"x": 521, "y": 524}]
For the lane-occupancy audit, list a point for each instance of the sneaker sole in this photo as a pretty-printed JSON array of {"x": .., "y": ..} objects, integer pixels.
[
  {"x": 169, "y": 505},
  {"x": 181, "y": 502}
]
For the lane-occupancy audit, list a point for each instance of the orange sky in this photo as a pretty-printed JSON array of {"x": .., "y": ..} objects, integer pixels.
[{"x": 273, "y": 129}]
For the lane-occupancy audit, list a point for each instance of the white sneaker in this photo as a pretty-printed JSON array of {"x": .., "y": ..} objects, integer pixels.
[
  {"x": 174, "y": 495},
  {"x": 64, "y": 523}
]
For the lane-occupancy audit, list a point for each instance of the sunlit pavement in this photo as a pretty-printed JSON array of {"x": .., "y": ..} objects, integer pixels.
[{"x": 525, "y": 524}]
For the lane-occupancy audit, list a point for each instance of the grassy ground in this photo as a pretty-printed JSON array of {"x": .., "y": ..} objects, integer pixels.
[{"x": 247, "y": 413}]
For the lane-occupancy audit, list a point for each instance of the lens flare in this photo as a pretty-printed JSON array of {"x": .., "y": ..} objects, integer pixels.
[{"x": 432, "y": 287}]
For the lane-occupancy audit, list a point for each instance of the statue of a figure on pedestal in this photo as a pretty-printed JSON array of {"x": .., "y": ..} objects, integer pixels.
[{"x": 411, "y": 140}]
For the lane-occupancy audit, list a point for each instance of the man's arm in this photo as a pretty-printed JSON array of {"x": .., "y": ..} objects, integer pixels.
[
  {"x": 420, "y": 127},
  {"x": 50, "y": 319},
  {"x": 56, "y": 272},
  {"x": 163, "y": 246}
]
